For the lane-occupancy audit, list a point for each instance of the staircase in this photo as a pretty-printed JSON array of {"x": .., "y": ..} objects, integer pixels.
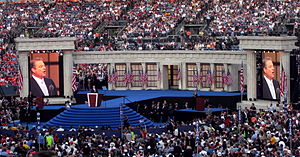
[{"x": 95, "y": 116}]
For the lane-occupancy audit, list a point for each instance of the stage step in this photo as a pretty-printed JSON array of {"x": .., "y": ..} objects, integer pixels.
[
  {"x": 96, "y": 116},
  {"x": 58, "y": 100}
]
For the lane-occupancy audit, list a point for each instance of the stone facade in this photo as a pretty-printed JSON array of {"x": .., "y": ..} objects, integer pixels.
[{"x": 231, "y": 60}]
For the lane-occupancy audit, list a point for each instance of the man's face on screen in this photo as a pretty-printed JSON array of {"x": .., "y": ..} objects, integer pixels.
[
  {"x": 269, "y": 70},
  {"x": 39, "y": 69}
]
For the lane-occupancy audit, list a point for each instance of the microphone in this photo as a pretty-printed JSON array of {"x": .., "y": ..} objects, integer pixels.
[
  {"x": 51, "y": 88},
  {"x": 277, "y": 91}
]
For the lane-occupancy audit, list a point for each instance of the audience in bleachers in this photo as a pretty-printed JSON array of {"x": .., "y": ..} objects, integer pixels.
[
  {"x": 143, "y": 19},
  {"x": 9, "y": 71}
]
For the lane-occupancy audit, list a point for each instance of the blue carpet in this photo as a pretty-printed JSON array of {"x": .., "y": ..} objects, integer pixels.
[
  {"x": 205, "y": 110},
  {"x": 138, "y": 95}
]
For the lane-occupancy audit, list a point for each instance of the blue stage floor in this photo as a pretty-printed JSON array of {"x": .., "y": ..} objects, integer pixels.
[
  {"x": 204, "y": 111},
  {"x": 129, "y": 96}
]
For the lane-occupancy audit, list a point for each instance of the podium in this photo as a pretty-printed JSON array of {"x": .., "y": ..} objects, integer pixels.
[
  {"x": 94, "y": 99},
  {"x": 200, "y": 104}
]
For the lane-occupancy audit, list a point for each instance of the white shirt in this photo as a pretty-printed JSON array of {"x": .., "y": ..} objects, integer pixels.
[
  {"x": 42, "y": 84},
  {"x": 271, "y": 87}
]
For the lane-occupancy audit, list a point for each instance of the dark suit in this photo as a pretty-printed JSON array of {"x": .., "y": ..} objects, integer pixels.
[
  {"x": 37, "y": 91},
  {"x": 266, "y": 93}
]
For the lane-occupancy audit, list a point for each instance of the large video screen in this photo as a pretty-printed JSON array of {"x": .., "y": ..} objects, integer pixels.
[
  {"x": 45, "y": 78},
  {"x": 268, "y": 76}
]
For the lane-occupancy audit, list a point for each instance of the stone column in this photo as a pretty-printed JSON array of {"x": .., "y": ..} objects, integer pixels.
[
  {"x": 23, "y": 61},
  {"x": 109, "y": 68},
  {"x": 234, "y": 68},
  {"x": 144, "y": 86},
  {"x": 250, "y": 76},
  {"x": 198, "y": 68},
  {"x": 225, "y": 66},
  {"x": 285, "y": 63},
  {"x": 184, "y": 76},
  {"x": 212, "y": 69},
  {"x": 128, "y": 69},
  {"x": 159, "y": 68},
  {"x": 68, "y": 73},
  {"x": 164, "y": 77},
  {"x": 180, "y": 82}
]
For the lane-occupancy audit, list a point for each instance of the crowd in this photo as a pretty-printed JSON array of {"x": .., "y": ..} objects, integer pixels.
[
  {"x": 9, "y": 72},
  {"x": 144, "y": 25},
  {"x": 160, "y": 111},
  {"x": 272, "y": 132},
  {"x": 141, "y": 19},
  {"x": 250, "y": 17}
]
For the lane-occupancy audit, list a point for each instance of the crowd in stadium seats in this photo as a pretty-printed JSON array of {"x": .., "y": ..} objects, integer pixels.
[
  {"x": 144, "y": 19},
  {"x": 250, "y": 17},
  {"x": 146, "y": 25},
  {"x": 9, "y": 71},
  {"x": 261, "y": 133}
]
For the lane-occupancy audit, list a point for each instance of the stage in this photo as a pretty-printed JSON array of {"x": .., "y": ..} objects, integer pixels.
[{"x": 113, "y": 99}]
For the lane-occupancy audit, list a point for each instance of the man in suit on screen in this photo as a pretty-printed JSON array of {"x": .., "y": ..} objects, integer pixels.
[
  {"x": 270, "y": 86},
  {"x": 39, "y": 84}
]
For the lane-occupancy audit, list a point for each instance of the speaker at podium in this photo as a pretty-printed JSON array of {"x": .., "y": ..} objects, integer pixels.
[{"x": 94, "y": 99}]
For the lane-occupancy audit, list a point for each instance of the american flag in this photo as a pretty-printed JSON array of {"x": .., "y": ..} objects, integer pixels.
[
  {"x": 74, "y": 83},
  {"x": 130, "y": 77},
  {"x": 145, "y": 78},
  {"x": 141, "y": 76},
  {"x": 195, "y": 76},
  {"x": 283, "y": 82},
  {"x": 115, "y": 76},
  {"x": 159, "y": 75},
  {"x": 20, "y": 79},
  {"x": 229, "y": 78},
  {"x": 224, "y": 77},
  {"x": 110, "y": 78},
  {"x": 125, "y": 77},
  {"x": 209, "y": 78},
  {"x": 242, "y": 79},
  {"x": 200, "y": 78},
  {"x": 179, "y": 74}
]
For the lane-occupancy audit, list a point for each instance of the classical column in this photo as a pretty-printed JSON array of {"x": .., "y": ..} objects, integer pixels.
[
  {"x": 184, "y": 76},
  {"x": 109, "y": 69},
  {"x": 158, "y": 70},
  {"x": 285, "y": 63},
  {"x": 164, "y": 77},
  {"x": 234, "y": 71},
  {"x": 128, "y": 69},
  {"x": 251, "y": 75},
  {"x": 198, "y": 68},
  {"x": 212, "y": 69},
  {"x": 23, "y": 61},
  {"x": 225, "y": 66},
  {"x": 180, "y": 81},
  {"x": 144, "y": 86},
  {"x": 68, "y": 73}
]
